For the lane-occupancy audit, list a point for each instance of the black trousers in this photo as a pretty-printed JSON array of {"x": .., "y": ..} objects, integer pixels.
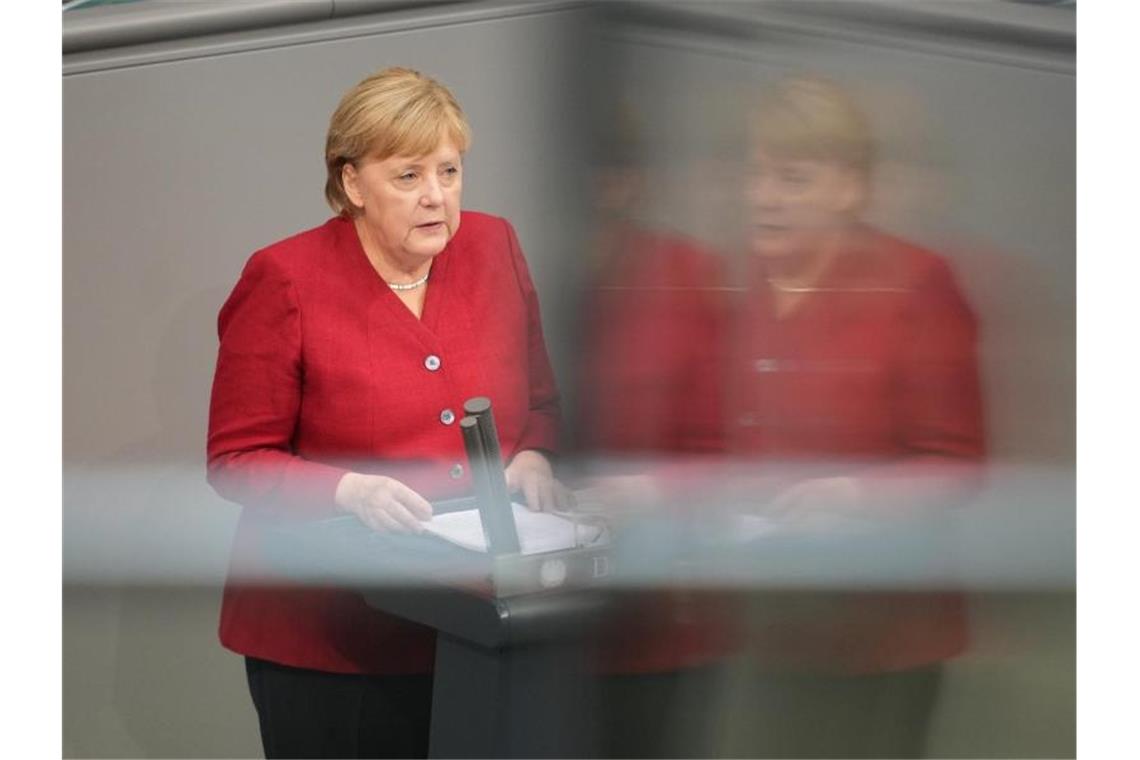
[
  {"x": 309, "y": 713},
  {"x": 883, "y": 715},
  {"x": 880, "y": 715},
  {"x": 657, "y": 714}
]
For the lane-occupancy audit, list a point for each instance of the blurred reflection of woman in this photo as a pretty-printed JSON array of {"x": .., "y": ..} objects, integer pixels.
[
  {"x": 854, "y": 384},
  {"x": 648, "y": 390}
]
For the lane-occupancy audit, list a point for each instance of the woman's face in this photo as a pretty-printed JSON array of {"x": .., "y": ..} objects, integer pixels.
[
  {"x": 410, "y": 204},
  {"x": 794, "y": 204}
]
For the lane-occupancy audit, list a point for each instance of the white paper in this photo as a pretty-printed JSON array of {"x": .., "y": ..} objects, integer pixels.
[{"x": 538, "y": 531}]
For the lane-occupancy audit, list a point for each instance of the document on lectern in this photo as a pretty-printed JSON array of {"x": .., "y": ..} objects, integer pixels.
[{"x": 539, "y": 532}]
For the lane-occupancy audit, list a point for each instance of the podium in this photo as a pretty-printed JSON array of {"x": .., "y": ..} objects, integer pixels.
[
  {"x": 511, "y": 672},
  {"x": 512, "y": 677}
]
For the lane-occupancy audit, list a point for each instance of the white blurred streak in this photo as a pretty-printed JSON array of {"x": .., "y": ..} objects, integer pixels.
[
  {"x": 144, "y": 524},
  {"x": 164, "y": 525}
]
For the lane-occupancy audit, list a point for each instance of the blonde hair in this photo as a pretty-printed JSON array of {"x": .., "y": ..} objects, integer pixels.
[
  {"x": 396, "y": 111},
  {"x": 813, "y": 118}
]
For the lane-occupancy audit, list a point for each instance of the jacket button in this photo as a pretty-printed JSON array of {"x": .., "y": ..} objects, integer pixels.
[
  {"x": 432, "y": 362},
  {"x": 447, "y": 416},
  {"x": 456, "y": 471}
]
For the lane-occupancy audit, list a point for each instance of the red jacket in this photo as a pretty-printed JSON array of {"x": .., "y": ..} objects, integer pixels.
[
  {"x": 651, "y": 366},
  {"x": 650, "y": 384},
  {"x": 322, "y": 370},
  {"x": 878, "y": 363},
  {"x": 873, "y": 376}
]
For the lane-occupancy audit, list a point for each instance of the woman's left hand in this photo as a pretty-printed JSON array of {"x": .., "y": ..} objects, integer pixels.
[{"x": 530, "y": 474}]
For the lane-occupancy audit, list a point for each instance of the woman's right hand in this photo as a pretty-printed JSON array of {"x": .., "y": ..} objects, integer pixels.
[{"x": 382, "y": 503}]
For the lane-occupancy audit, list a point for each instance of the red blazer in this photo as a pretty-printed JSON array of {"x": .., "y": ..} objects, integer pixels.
[
  {"x": 650, "y": 372},
  {"x": 879, "y": 363},
  {"x": 873, "y": 376},
  {"x": 650, "y": 384},
  {"x": 322, "y": 370}
]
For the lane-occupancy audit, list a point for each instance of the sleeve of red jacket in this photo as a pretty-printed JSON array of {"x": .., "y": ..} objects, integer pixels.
[
  {"x": 938, "y": 412},
  {"x": 938, "y": 390},
  {"x": 256, "y": 398},
  {"x": 545, "y": 416}
]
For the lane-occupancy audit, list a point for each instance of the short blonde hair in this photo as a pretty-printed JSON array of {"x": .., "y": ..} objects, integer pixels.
[
  {"x": 396, "y": 111},
  {"x": 810, "y": 117}
]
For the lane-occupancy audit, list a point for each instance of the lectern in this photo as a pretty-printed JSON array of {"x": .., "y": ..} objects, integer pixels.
[{"x": 512, "y": 677}]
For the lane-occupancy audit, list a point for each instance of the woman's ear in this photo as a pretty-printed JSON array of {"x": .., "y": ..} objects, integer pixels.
[{"x": 349, "y": 178}]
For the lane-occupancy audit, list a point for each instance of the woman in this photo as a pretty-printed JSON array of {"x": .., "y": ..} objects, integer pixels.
[
  {"x": 856, "y": 350},
  {"x": 648, "y": 393},
  {"x": 855, "y": 387},
  {"x": 346, "y": 354},
  {"x": 846, "y": 387}
]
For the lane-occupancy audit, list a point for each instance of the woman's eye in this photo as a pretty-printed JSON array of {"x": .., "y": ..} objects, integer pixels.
[
  {"x": 451, "y": 171},
  {"x": 407, "y": 176}
]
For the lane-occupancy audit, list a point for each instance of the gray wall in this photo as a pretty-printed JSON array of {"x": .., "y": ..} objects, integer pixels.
[{"x": 182, "y": 157}]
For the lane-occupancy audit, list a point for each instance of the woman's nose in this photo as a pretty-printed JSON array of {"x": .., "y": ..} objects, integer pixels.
[
  {"x": 433, "y": 193},
  {"x": 763, "y": 192}
]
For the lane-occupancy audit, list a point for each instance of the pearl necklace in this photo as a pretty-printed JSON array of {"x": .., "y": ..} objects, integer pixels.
[
  {"x": 793, "y": 288},
  {"x": 408, "y": 285}
]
